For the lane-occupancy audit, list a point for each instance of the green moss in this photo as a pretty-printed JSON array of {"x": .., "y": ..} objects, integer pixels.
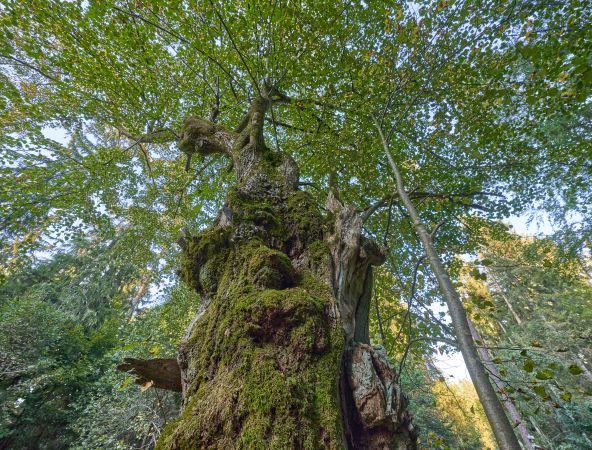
[
  {"x": 303, "y": 222},
  {"x": 303, "y": 403},
  {"x": 273, "y": 158},
  {"x": 194, "y": 129},
  {"x": 209, "y": 273},
  {"x": 261, "y": 214},
  {"x": 204, "y": 258},
  {"x": 304, "y": 211},
  {"x": 318, "y": 250},
  {"x": 165, "y": 434},
  {"x": 264, "y": 362},
  {"x": 269, "y": 268},
  {"x": 317, "y": 259},
  {"x": 276, "y": 365}
]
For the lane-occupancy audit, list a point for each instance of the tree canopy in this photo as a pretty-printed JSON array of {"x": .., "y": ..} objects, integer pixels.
[{"x": 485, "y": 106}]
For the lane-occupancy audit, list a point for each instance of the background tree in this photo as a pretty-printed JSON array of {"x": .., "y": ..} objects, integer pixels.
[
  {"x": 58, "y": 320},
  {"x": 64, "y": 324},
  {"x": 532, "y": 302}
]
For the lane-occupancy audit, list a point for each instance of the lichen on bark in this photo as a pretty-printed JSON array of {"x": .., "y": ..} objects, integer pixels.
[{"x": 272, "y": 359}]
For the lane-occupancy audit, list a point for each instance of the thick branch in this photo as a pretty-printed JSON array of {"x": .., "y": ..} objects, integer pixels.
[
  {"x": 438, "y": 195},
  {"x": 203, "y": 137},
  {"x": 375, "y": 207},
  {"x": 156, "y": 137}
]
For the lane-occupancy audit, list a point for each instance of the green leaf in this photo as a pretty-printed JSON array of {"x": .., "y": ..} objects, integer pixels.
[
  {"x": 154, "y": 349},
  {"x": 574, "y": 369},
  {"x": 540, "y": 391},
  {"x": 545, "y": 374},
  {"x": 529, "y": 365},
  {"x": 587, "y": 76},
  {"x": 125, "y": 383}
]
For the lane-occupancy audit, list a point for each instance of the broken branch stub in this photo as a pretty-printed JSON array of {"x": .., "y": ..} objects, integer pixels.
[{"x": 164, "y": 373}]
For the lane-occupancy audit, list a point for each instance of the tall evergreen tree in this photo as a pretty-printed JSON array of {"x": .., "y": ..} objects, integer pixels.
[
  {"x": 58, "y": 320},
  {"x": 533, "y": 311}
]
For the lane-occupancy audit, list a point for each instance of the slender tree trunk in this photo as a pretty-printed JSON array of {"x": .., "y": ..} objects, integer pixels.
[
  {"x": 279, "y": 356},
  {"x": 506, "y": 301},
  {"x": 514, "y": 414},
  {"x": 502, "y": 429}
]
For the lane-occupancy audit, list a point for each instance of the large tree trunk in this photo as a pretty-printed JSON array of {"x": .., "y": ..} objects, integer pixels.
[{"x": 279, "y": 355}]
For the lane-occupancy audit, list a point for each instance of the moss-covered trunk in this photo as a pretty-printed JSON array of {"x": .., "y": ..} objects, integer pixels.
[{"x": 278, "y": 356}]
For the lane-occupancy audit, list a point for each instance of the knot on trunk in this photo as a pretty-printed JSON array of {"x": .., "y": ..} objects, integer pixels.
[
  {"x": 204, "y": 257},
  {"x": 199, "y": 136},
  {"x": 380, "y": 419}
]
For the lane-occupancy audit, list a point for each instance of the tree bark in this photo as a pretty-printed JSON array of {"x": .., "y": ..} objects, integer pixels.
[
  {"x": 500, "y": 425},
  {"x": 501, "y": 386},
  {"x": 278, "y": 355}
]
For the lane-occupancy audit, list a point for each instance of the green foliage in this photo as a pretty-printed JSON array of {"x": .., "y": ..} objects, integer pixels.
[
  {"x": 539, "y": 331},
  {"x": 473, "y": 97},
  {"x": 448, "y": 415},
  {"x": 115, "y": 413},
  {"x": 64, "y": 325},
  {"x": 487, "y": 108},
  {"x": 53, "y": 344}
]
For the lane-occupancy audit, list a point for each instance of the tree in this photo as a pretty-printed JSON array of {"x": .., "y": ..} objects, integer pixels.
[
  {"x": 114, "y": 413},
  {"x": 58, "y": 320},
  {"x": 64, "y": 322},
  {"x": 531, "y": 302},
  {"x": 280, "y": 287},
  {"x": 456, "y": 90}
]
